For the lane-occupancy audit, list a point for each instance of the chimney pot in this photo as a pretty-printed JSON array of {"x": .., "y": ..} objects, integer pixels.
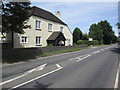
[{"x": 58, "y": 14}]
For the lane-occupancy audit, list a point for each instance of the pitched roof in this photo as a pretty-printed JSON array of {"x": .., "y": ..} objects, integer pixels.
[
  {"x": 45, "y": 14},
  {"x": 54, "y": 35}
]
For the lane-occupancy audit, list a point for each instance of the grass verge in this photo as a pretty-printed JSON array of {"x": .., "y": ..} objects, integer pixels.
[{"x": 61, "y": 51}]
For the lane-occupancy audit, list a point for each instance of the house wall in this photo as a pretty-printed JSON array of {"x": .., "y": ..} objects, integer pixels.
[{"x": 44, "y": 33}]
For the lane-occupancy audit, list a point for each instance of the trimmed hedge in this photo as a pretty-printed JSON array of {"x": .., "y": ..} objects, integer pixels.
[{"x": 86, "y": 42}]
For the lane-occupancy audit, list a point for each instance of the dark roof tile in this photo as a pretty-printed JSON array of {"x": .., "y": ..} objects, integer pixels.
[
  {"x": 45, "y": 14},
  {"x": 54, "y": 35}
]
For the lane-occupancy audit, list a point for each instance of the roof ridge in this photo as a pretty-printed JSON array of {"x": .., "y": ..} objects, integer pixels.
[{"x": 46, "y": 15}]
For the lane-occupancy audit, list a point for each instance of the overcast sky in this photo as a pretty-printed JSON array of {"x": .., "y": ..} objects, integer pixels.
[{"x": 83, "y": 14}]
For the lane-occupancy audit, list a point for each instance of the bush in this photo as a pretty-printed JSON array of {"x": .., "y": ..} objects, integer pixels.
[
  {"x": 80, "y": 42},
  {"x": 86, "y": 42},
  {"x": 94, "y": 42},
  {"x": 50, "y": 45}
]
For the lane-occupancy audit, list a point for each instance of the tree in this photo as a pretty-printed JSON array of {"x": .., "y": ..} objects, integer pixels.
[
  {"x": 77, "y": 35},
  {"x": 96, "y": 32},
  {"x": 85, "y": 36},
  {"x": 114, "y": 39},
  {"x": 15, "y": 16},
  {"x": 108, "y": 32},
  {"x": 118, "y": 25}
]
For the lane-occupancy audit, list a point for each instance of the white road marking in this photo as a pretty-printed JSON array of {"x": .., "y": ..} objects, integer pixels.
[
  {"x": 25, "y": 73},
  {"x": 96, "y": 52},
  {"x": 78, "y": 57},
  {"x": 36, "y": 78},
  {"x": 58, "y": 66},
  {"x": 37, "y": 68},
  {"x": 72, "y": 59},
  {"x": 83, "y": 58},
  {"x": 117, "y": 77}
]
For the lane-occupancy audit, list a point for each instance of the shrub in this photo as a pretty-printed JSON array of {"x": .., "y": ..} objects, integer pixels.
[
  {"x": 50, "y": 45},
  {"x": 80, "y": 42},
  {"x": 94, "y": 42},
  {"x": 86, "y": 42}
]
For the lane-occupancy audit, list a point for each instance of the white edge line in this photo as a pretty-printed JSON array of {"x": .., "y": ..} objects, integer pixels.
[
  {"x": 35, "y": 78},
  {"x": 25, "y": 73},
  {"x": 117, "y": 77},
  {"x": 12, "y": 79}
]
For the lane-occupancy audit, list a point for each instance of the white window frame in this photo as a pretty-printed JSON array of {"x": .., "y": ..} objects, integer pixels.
[
  {"x": 22, "y": 39},
  {"x": 38, "y": 39},
  {"x": 50, "y": 27},
  {"x": 61, "y": 29},
  {"x": 37, "y": 25}
]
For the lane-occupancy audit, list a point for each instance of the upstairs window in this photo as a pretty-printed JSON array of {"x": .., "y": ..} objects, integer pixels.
[
  {"x": 49, "y": 27},
  {"x": 38, "y": 24},
  {"x": 61, "y": 29}
]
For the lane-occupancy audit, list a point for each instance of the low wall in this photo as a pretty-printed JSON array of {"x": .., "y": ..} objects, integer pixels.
[{"x": 19, "y": 53}]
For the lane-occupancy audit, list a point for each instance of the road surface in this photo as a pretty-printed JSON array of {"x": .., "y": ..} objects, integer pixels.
[{"x": 91, "y": 68}]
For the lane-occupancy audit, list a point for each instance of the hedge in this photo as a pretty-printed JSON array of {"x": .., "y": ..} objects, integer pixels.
[{"x": 86, "y": 42}]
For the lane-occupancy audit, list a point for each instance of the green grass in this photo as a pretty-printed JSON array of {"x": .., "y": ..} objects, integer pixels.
[
  {"x": 61, "y": 51},
  {"x": 65, "y": 51}
]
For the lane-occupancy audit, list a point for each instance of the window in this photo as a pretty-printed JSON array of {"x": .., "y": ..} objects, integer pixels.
[
  {"x": 38, "y": 40},
  {"x": 2, "y": 40},
  {"x": 68, "y": 40},
  {"x": 49, "y": 27},
  {"x": 38, "y": 24},
  {"x": 24, "y": 40},
  {"x": 61, "y": 29}
]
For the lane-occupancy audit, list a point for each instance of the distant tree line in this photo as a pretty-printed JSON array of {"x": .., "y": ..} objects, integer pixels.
[{"x": 101, "y": 33}]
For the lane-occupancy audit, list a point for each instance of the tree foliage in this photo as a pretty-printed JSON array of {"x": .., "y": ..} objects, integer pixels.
[
  {"x": 85, "y": 36},
  {"x": 77, "y": 35},
  {"x": 96, "y": 32},
  {"x": 108, "y": 32},
  {"x": 15, "y": 16},
  {"x": 102, "y": 32},
  {"x": 118, "y": 25}
]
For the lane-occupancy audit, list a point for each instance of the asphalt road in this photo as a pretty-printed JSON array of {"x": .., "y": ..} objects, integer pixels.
[{"x": 91, "y": 68}]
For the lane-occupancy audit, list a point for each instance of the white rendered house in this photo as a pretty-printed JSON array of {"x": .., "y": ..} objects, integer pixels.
[{"x": 46, "y": 28}]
